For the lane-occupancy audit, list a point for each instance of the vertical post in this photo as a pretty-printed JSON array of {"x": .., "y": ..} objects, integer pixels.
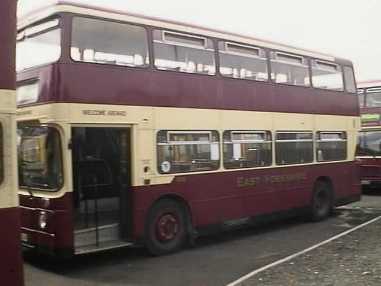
[
  {"x": 10, "y": 243},
  {"x": 96, "y": 211}
]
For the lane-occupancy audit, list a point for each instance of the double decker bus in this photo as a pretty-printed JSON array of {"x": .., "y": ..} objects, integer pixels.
[
  {"x": 10, "y": 247},
  {"x": 140, "y": 130},
  {"x": 369, "y": 141}
]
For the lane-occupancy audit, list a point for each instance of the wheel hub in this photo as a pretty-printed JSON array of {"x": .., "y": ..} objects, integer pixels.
[{"x": 167, "y": 227}]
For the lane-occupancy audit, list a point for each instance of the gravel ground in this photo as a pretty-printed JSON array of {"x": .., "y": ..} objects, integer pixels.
[{"x": 354, "y": 259}]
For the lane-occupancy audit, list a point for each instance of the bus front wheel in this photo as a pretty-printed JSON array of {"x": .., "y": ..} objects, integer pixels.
[
  {"x": 166, "y": 230},
  {"x": 321, "y": 203}
]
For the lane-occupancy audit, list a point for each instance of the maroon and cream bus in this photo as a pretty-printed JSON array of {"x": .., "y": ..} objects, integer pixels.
[
  {"x": 139, "y": 130},
  {"x": 369, "y": 141},
  {"x": 10, "y": 247}
]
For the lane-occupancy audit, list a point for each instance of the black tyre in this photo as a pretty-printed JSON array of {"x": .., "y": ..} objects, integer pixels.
[
  {"x": 321, "y": 202},
  {"x": 166, "y": 227}
]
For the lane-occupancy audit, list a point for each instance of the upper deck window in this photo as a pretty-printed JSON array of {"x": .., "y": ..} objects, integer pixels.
[
  {"x": 38, "y": 45},
  {"x": 327, "y": 75},
  {"x": 289, "y": 69},
  {"x": 242, "y": 61},
  {"x": 361, "y": 97},
  {"x": 373, "y": 97},
  {"x": 183, "y": 52},
  {"x": 105, "y": 42},
  {"x": 350, "y": 83}
]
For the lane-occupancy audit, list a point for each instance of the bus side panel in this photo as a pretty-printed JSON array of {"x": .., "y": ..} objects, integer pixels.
[
  {"x": 218, "y": 197},
  {"x": 208, "y": 196},
  {"x": 370, "y": 169},
  {"x": 10, "y": 263},
  {"x": 171, "y": 89}
]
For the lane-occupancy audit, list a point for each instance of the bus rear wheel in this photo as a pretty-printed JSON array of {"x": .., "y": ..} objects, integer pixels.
[
  {"x": 321, "y": 204},
  {"x": 166, "y": 230}
]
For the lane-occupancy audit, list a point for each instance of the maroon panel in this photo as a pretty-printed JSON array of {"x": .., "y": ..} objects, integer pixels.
[
  {"x": 370, "y": 169},
  {"x": 212, "y": 198},
  {"x": 7, "y": 44},
  {"x": 93, "y": 83},
  {"x": 59, "y": 222},
  {"x": 215, "y": 198},
  {"x": 11, "y": 272},
  {"x": 370, "y": 110}
]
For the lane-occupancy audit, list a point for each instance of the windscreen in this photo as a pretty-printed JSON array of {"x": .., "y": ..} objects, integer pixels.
[
  {"x": 39, "y": 158},
  {"x": 38, "y": 45},
  {"x": 369, "y": 143},
  {"x": 373, "y": 97}
]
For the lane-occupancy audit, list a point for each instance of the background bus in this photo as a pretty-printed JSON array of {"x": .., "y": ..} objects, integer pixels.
[
  {"x": 134, "y": 129},
  {"x": 369, "y": 142},
  {"x": 10, "y": 262}
]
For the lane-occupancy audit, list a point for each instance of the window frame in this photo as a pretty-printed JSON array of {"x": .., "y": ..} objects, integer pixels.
[
  {"x": 291, "y": 141},
  {"x": 345, "y": 79},
  {"x": 320, "y": 140},
  {"x": 183, "y": 34},
  {"x": 177, "y": 143},
  {"x": 147, "y": 32},
  {"x": 60, "y": 132},
  {"x": 59, "y": 26},
  {"x": 235, "y": 131},
  {"x": 362, "y": 133},
  {"x": 368, "y": 91},
  {"x": 272, "y": 58},
  {"x": 328, "y": 63},
  {"x": 207, "y": 38},
  {"x": 260, "y": 49}
]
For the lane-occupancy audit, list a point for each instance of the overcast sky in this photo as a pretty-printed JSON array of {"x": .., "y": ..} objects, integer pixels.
[{"x": 344, "y": 28}]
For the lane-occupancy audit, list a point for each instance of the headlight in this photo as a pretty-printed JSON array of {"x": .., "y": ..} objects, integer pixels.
[
  {"x": 46, "y": 202},
  {"x": 43, "y": 220}
]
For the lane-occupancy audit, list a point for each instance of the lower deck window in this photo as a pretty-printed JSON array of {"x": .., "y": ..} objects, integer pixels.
[
  {"x": 187, "y": 151},
  {"x": 293, "y": 148},
  {"x": 247, "y": 149},
  {"x": 331, "y": 146}
]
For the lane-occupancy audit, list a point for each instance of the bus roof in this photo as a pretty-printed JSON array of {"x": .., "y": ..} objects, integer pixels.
[
  {"x": 70, "y": 7},
  {"x": 369, "y": 83}
]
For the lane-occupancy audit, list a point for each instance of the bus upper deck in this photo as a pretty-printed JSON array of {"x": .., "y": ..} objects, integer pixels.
[{"x": 157, "y": 63}]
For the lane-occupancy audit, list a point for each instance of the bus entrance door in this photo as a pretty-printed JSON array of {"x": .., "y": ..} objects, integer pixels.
[{"x": 101, "y": 179}]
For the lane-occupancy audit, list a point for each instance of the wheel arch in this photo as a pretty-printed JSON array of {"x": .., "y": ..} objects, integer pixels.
[
  {"x": 180, "y": 200},
  {"x": 327, "y": 180}
]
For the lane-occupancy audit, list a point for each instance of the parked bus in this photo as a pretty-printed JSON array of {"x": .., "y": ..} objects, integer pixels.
[
  {"x": 10, "y": 247},
  {"x": 369, "y": 142},
  {"x": 139, "y": 130}
]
